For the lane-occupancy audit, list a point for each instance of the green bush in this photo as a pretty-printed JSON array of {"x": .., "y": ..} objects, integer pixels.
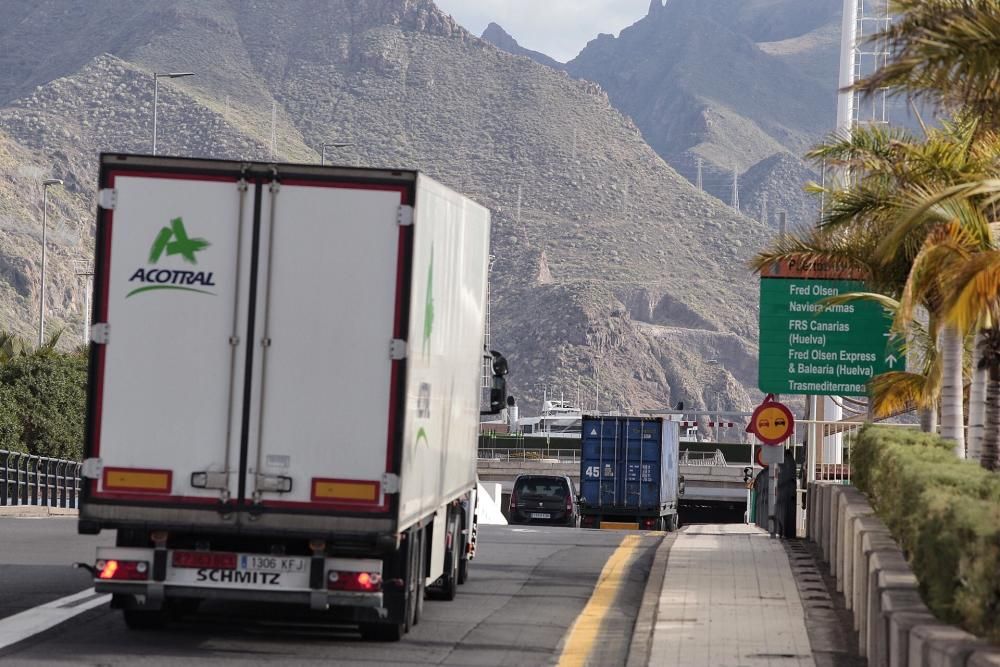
[
  {"x": 43, "y": 404},
  {"x": 945, "y": 514}
]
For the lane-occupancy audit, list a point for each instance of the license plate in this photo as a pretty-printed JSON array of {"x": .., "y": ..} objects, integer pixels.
[
  {"x": 281, "y": 564},
  {"x": 540, "y": 515}
]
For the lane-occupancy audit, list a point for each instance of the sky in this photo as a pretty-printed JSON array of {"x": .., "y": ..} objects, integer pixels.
[{"x": 557, "y": 28}]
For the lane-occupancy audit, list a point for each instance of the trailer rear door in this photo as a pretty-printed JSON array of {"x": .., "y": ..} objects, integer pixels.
[
  {"x": 172, "y": 266},
  {"x": 331, "y": 285}
]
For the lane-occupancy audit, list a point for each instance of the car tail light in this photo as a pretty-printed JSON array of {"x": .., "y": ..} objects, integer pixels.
[
  {"x": 122, "y": 570},
  {"x": 363, "y": 582},
  {"x": 569, "y": 504},
  {"x": 513, "y": 500},
  {"x": 204, "y": 559},
  {"x": 647, "y": 524}
]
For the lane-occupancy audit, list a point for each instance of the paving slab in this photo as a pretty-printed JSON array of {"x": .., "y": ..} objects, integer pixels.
[{"x": 729, "y": 599}]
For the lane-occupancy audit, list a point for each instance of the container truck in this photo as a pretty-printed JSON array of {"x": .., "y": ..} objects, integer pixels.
[
  {"x": 629, "y": 473},
  {"x": 284, "y": 388}
]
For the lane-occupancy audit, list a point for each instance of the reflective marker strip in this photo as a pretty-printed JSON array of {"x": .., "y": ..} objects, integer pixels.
[
  {"x": 19, "y": 627},
  {"x": 344, "y": 491},
  {"x": 619, "y": 525},
  {"x": 137, "y": 480},
  {"x": 586, "y": 629}
]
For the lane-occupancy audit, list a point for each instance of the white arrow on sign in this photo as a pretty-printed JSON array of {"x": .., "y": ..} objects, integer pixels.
[{"x": 891, "y": 360}]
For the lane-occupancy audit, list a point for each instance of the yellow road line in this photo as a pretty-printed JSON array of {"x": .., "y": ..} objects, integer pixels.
[{"x": 586, "y": 628}]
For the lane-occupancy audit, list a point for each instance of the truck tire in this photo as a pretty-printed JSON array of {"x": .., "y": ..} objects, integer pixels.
[
  {"x": 463, "y": 570},
  {"x": 144, "y": 619}
]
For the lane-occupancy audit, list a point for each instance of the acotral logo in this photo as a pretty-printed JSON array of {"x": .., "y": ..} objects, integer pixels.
[{"x": 173, "y": 240}]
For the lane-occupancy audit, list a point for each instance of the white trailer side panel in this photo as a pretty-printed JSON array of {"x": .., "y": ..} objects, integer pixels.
[
  {"x": 447, "y": 315},
  {"x": 164, "y": 375},
  {"x": 327, "y": 306}
]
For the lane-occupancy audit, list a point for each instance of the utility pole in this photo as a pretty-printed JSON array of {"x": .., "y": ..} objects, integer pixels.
[
  {"x": 735, "y": 201},
  {"x": 518, "y": 214},
  {"x": 41, "y": 299},
  {"x": 274, "y": 127},
  {"x": 701, "y": 162},
  {"x": 85, "y": 270}
]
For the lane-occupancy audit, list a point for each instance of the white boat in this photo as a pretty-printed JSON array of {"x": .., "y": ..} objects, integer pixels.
[{"x": 559, "y": 419}]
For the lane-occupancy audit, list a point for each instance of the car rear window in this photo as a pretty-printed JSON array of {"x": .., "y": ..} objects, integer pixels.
[{"x": 542, "y": 487}]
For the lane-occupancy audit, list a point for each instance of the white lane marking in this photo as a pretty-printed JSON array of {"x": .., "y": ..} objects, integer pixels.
[{"x": 19, "y": 627}]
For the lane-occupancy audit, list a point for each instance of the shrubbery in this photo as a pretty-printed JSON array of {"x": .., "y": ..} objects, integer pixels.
[
  {"x": 945, "y": 514},
  {"x": 43, "y": 397}
]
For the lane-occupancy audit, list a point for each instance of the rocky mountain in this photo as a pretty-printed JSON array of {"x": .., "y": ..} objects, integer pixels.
[
  {"x": 499, "y": 38},
  {"x": 722, "y": 85},
  {"x": 611, "y": 268}
]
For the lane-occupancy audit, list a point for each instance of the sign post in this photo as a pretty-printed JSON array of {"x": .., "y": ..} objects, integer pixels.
[{"x": 773, "y": 423}]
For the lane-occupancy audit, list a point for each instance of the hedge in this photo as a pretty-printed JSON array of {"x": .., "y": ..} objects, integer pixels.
[{"x": 945, "y": 515}]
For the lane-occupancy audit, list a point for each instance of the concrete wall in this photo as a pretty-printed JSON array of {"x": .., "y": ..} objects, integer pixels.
[{"x": 894, "y": 626}]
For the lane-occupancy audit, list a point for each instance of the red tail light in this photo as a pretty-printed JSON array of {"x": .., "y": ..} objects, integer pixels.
[
  {"x": 513, "y": 500},
  {"x": 363, "y": 582},
  {"x": 569, "y": 504},
  {"x": 122, "y": 570},
  {"x": 647, "y": 524}
]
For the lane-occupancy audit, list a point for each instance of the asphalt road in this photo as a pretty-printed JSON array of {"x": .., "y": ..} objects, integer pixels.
[
  {"x": 526, "y": 588},
  {"x": 36, "y": 557}
]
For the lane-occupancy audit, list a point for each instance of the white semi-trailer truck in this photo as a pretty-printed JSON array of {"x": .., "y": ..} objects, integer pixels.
[{"x": 284, "y": 388}]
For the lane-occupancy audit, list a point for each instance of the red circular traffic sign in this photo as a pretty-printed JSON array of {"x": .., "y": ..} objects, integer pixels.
[{"x": 772, "y": 422}]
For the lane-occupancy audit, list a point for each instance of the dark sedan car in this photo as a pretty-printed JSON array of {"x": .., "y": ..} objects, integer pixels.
[{"x": 548, "y": 499}]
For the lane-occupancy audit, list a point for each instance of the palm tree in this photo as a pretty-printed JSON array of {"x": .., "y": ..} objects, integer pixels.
[
  {"x": 975, "y": 300},
  {"x": 873, "y": 224},
  {"x": 945, "y": 51}
]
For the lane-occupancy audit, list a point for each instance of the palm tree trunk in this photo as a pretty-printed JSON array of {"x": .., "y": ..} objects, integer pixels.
[
  {"x": 991, "y": 433},
  {"x": 977, "y": 399},
  {"x": 952, "y": 417},
  {"x": 928, "y": 420}
]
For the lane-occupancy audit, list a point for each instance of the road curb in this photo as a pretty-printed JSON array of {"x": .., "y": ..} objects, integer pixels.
[
  {"x": 35, "y": 511},
  {"x": 641, "y": 646}
]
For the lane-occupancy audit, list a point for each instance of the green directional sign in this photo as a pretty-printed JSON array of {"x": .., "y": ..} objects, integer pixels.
[{"x": 809, "y": 348}]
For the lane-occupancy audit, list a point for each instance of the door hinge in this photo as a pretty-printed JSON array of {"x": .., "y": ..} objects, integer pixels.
[
  {"x": 397, "y": 349},
  {"x": 92, "y": 468},
  {"x": 100, "y": 333},
  {"x": 404, "y": 218},
  {"x": 107, "y": 198},
  {"x": 390, "y": 483}
]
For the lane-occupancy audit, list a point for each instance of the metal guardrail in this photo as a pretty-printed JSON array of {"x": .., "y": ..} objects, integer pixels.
[
  {"x": 26, "y": 479},
  {"x": 506, "y": 454},
  {"x": 689, "y": 458}
]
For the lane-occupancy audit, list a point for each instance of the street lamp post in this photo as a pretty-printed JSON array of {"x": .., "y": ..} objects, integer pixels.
[
  {"x": 336, "y": 144},
  {"x": 156, "y": 95},
  {"x": 41, "y": 299}
]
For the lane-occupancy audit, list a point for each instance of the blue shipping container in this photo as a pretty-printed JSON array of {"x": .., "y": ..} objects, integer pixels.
[{"x": 628, "y": 465}]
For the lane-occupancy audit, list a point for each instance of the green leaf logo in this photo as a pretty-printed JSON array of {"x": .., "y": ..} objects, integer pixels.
[
  {"x": 174, "y": 241},
  {"x": 429, "y": 308}
]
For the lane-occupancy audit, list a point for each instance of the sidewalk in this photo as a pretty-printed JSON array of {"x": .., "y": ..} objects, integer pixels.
[{"x": 729, "y": 599}]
